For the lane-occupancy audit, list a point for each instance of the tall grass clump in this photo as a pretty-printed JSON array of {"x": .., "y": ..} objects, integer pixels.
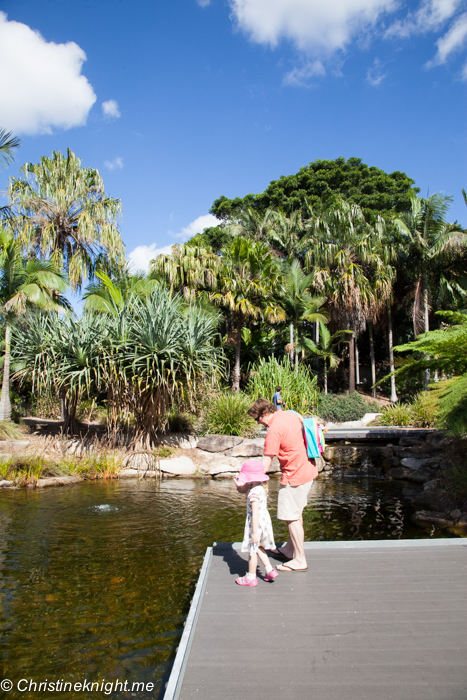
[
  {"x": 421, "y": 413},
  {"x": 226, "y": 414},
  {"x": 299, "y": 388},
  {"x": 104, "y": 464},
  {"x": 399, "y": 414}
]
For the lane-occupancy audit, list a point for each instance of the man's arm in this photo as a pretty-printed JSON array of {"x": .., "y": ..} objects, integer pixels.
[{"x": 267, "y": 461}]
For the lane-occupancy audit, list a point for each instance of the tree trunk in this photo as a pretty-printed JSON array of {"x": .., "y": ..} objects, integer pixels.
[
  {"x": 325, "y": 377},
  {"x": 317, "y": 332},
  {"x": 238, "y": 347},
  {"x": 357, "y": 364},
  {"x": 5, "y": 405},
  {"x": 352, "y": 364},
  {"x": 372, "y": 357},
  {"x": 391, "y": 355},
  {"x": 291, "y": 345},
  {"x": 63, "y": 405},
  {"x": 426, "y": 315}
]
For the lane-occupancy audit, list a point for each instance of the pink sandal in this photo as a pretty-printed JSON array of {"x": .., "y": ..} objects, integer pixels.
[
  {"x": 244, "y": 581},
  {"x": 271, "y": 575}
]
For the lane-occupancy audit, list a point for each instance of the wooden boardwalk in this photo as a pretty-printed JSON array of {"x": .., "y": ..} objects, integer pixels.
[{"x": 372, "y": 620}]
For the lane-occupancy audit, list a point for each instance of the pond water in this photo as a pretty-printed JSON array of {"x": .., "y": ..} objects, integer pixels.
[{"x": 96, "y": 579}]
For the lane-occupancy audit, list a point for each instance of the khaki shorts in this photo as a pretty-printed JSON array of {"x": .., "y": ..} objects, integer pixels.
[{"x": 292, "y": 500}]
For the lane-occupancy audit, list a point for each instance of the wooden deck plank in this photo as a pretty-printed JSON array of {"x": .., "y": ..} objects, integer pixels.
[{"x": 374, "y": 623}]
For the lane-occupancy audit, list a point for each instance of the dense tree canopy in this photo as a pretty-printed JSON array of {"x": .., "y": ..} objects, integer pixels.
[{"x": 370, "y": 188}]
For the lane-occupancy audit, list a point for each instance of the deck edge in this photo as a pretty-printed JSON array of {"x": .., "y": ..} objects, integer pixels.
[
  {"x": 174, "y": 683},
  {"x": 365, "y": 544}
]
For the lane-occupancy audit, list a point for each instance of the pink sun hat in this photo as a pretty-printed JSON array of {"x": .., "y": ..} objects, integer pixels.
[{"x": 252, "y": 471}]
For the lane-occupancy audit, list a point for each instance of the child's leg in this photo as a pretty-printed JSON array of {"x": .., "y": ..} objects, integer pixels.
[
  {"x": 265, "y": 559},
  {"x": 253, "y": 564}
]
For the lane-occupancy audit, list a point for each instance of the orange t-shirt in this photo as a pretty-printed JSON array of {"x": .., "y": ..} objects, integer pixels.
[{"x": 284, "y": 439}]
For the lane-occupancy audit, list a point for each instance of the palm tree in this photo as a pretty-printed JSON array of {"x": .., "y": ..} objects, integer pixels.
[
  {"x": 429, "y": 245},
  {"x": 326, "y": 348},
  {"x": 287, "y": 235},
  {"x": 247, "y": 284},
  {"x": 23, "y": 284},
  {"x": 300, "y": 306},
  {"x": 350, "y": 264},
  {"x": 112, "y": 296},
  {"x": 62, "y": 355},
  {"x": 8, "y": 143},
  {"x": 253, "y": 224},
  {"x": 187, "y": 269},
  {"x": 66, "y": 216}
]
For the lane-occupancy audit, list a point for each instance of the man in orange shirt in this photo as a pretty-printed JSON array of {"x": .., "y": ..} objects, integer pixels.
[{"x": 284, "y": 439}]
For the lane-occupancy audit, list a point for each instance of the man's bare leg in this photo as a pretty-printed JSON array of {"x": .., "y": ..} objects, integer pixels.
[{"x": 295, "y": 545}]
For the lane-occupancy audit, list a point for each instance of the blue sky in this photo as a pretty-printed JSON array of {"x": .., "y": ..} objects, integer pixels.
[{"x": 179, "y": 101}]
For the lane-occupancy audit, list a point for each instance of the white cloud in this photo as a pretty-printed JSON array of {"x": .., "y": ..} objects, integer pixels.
[
  {"x": 41, "y": 82},
  {"x": 316, "y": 27},
  {"x": 142, "y": 255},
  {"x": 375, "y": 75},
  {"x": 452, "y": 41},
  {"x": 464, "y": 73},
  {"x": 301, "y": 76},
  {"x": 110, "y": 109},
  {"x": 431, "y": 15},
  {"x": 203, "y": 3},
  {"x": 197, "y": 226},
  {"x": 115, "y": 164}
]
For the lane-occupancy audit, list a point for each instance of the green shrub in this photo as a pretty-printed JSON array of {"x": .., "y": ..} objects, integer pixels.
[
  {"x": 226, "y": 414},
  {"x": 339, "y": 408},
  {"x": 400, "y": 414},
  {"x": 299, "y": 389}
]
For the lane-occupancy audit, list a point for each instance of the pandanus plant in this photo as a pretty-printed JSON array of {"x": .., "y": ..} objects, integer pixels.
[{"x": 24, "y": 284}]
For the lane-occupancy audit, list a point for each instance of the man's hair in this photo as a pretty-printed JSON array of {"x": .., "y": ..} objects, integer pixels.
[
  {"x": 278, "y": 388},
  {"x": 260, "y": 408}
]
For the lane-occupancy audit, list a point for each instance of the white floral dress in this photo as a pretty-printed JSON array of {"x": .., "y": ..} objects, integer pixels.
[{"x": 266, "y": 536}]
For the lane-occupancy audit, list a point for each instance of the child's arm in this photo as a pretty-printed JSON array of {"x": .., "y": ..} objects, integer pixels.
[{"x": 254, "y": 520}]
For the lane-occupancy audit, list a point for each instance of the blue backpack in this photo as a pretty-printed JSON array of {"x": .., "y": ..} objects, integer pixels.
[{"x": 312, "y": 433}]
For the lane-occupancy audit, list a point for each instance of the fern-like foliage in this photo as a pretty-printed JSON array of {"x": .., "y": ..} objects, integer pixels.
[{"x": 444, "y": 350}]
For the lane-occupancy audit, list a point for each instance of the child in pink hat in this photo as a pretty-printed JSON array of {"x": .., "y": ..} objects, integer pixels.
[{"x": 258, "y": 526}]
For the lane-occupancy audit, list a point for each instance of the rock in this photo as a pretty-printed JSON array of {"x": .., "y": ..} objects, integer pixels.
[
  {"x": 413, "y": 463},
  {"x": 179, "y": 466},
  {"x": 321, "y": 464},
  {"x": 5, "y": 482},
  {"x": 455, "y": 514},
  {"x": 218, "y": 443},
  {"x": 180, "y": 440},
  {"x": 64, "y": 480},
  {"x": 369, "y": 418},
  {"x": 410, "y": 441},
  {"x": 150, "y": 474},
  {"x": 433, "y": 499},
  {"x": 435, "y": 439},
  {"x": 433, "y": 483},
  {"x": 432, "y": 518},
  {"x": 225, "y": 475},
  {"x": 327, "y": 467},
  {"x": 57, "y": 481},
  {"x": 129, "y": 474},
  {"x": 248, "y": 448},
  {"x": 227, "y": 465},
  {"x": 406, "y": 474},
  {"x": 13, "y": 445}
]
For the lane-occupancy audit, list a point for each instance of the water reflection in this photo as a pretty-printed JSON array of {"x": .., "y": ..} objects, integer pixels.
[{"x": 97, "y": 578}]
